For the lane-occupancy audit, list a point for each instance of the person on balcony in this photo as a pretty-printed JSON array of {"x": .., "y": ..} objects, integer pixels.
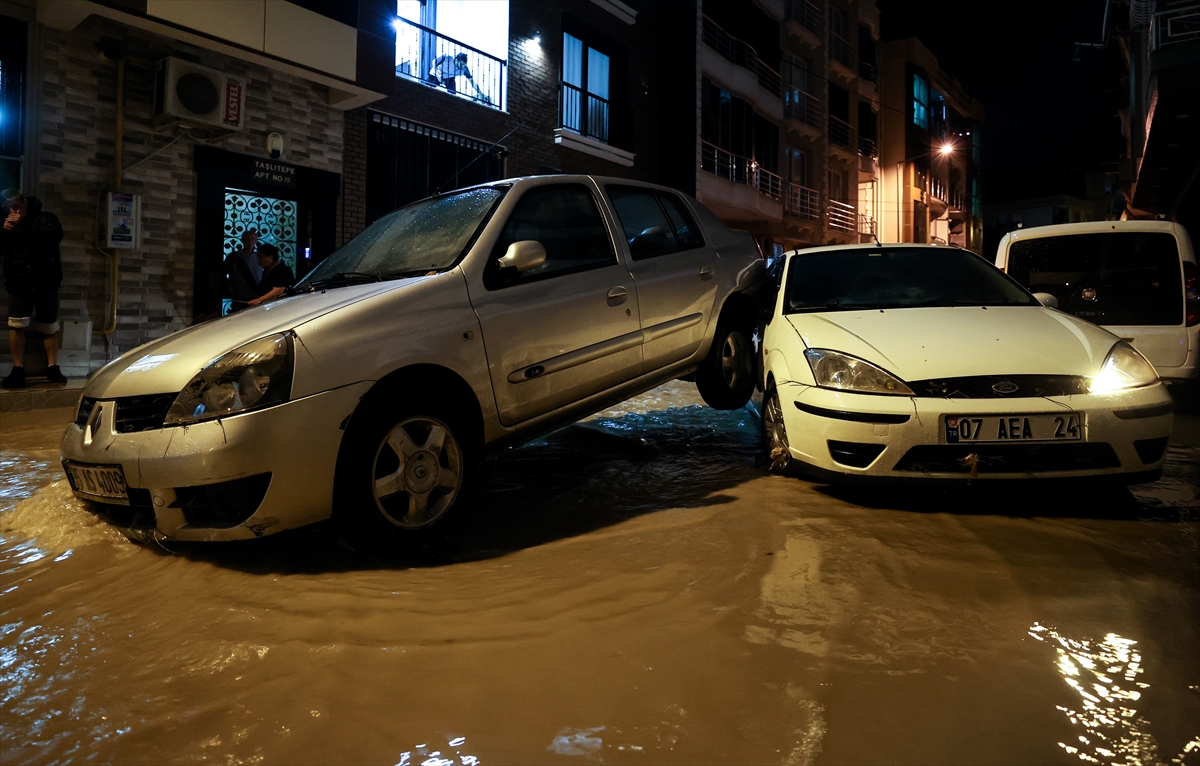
[{"x": 447, "y": 68}]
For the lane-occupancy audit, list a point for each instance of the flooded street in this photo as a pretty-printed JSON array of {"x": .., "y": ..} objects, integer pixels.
[{"x": 632, "y": 589}]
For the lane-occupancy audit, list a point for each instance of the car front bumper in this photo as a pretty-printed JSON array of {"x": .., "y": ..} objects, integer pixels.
[
  {"x": 840, "y": 435},
  {"x": 277, "y": 463}
]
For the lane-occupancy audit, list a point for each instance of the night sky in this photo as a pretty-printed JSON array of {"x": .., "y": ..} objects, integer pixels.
[{"x": 1049, "y": 118}]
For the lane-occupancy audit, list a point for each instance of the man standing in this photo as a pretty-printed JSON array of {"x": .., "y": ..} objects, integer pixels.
[
  {"x": 242, "y": 272},
  {"x": 32, "y": 275},
  {"x": 277, "y": 276}
]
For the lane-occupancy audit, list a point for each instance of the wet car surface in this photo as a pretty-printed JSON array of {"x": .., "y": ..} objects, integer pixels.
[{"x": 631, "y": 589}]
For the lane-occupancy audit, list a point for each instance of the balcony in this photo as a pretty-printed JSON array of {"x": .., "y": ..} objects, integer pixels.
[
  {"x": 740, "y": 54},
  {"x": 423, "y": 54},
  {"x": 840, "y": 133},
  {"x": 866, "y": 225},
  {"x": 583, "y": 113},
  {"x": 841, "y": 216},
  {"x": 740, "y": 170},
  {"x": 1178, "y": 25},
  {"x": 866, "y": 147},
  {"x": 802, "y": 202},
  {"x": 806, "y": 13},
  {"x": 841, "y": 51},
  {"x": 867, "y": 72},
  {"x": 803, "y": 107}
]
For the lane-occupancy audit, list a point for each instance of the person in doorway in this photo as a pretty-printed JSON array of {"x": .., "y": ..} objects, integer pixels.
[
  {"x": 277, "y": 276},
  {"x": 32, "y": 275},
  {"x": 243, "y": 272},
  {"x": 446, "y": 69}
]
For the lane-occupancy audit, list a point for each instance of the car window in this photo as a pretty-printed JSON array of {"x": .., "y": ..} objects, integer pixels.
[
  {"x": 895, "y": 278},
  {"x": 1113, "y": 278},
  {"x": 653, "y": 223},
  {"x": 565, "y": 220}
]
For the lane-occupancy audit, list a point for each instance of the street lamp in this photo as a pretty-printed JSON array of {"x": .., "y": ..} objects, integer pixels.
[{"x": 945, "y": 150}]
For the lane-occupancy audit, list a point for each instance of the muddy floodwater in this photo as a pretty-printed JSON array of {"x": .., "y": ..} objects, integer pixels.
[{"x": 634, "y": 589}]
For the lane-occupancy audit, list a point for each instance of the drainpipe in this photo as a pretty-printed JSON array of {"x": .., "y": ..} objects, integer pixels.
[{"x": 118, "y": 161}]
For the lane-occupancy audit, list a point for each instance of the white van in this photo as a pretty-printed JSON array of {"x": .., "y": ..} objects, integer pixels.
[{"x": 1136, "y": 279}]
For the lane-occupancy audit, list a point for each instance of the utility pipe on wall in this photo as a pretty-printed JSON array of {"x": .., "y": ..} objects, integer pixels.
[{"x": 118, "y": 160}]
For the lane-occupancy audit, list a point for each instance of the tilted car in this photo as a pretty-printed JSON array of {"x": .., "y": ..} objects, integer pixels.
[
  {"x": 919, "y": 361},
  {"x": 448, "y": 330}
]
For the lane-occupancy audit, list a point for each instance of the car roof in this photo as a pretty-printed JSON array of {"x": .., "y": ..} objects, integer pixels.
[
  {"x": 1092, "y": 227},
  {"x": 872, "y": 246}
]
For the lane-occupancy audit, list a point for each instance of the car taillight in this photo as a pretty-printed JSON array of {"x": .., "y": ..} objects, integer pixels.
[{"x": 1191, "y": 292}]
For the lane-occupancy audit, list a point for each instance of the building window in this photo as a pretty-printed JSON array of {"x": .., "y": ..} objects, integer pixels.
[
  {"x": 730, "y": 124},
  {"x": 797, "y": 166},
  {"x": 457, "y": 46},
  {"x": 584, "y": 101},
  {"x": 920, "y": 92},
  {"x": 12, "y": 102}
]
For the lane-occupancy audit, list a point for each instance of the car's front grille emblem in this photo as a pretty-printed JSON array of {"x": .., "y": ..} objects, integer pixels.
[{"x": 1005, "y": 387}]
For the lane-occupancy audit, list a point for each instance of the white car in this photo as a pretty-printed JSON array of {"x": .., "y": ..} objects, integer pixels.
[
  {"x": 920, "y": 361},
  {"x": 449, "y": 329}
]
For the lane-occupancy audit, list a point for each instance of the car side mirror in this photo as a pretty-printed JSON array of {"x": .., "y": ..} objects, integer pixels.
[
  {"x": 1047, "y": 300},
  {"x": 523, "y": 256}
]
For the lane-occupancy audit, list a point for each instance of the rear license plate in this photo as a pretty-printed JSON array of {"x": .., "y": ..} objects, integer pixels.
[
  {"x": 105, "y": 483},
  {"x": 962, "y": 429}
]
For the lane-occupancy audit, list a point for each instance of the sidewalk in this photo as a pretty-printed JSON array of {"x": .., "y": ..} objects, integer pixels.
[{"x": 40, "y": 396}]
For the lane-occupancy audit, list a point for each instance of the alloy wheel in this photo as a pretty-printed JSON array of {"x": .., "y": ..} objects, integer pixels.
[{"x": 417, "y": 472}]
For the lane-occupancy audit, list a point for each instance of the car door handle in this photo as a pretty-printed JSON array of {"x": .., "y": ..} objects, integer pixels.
[
  {"x": 706, "y": 272},
  {"x": 617, "y": 296}
]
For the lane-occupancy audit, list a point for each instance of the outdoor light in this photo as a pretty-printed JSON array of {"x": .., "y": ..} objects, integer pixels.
[{"x": 947, "y": 148}]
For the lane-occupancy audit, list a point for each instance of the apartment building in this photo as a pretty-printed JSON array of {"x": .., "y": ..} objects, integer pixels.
[{"x": 929, "y": 152}]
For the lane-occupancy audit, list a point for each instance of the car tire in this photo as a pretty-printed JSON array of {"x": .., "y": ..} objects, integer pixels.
[
  {"x": 401, "y": 470},
  {"x": 774, "y": 434},
  {"x": 726, "y": 377}
]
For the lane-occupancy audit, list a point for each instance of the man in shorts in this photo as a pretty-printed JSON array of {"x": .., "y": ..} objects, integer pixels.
[{"x": 32, "y": 273}]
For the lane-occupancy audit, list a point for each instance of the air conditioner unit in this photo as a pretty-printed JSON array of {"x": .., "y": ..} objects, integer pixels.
[{"x": 197, "y": 94}]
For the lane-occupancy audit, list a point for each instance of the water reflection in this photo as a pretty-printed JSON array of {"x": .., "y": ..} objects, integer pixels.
[
  {"x": 431, "y": 755},
  {"x": 1105, "y": 676}
]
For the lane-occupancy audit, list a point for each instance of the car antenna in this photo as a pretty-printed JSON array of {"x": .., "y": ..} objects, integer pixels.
[
  {"x": 472, "y": 162},
  {"x": 875, "y": 237}
]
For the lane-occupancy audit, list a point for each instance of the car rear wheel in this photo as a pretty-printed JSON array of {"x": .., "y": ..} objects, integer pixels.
[
  {"x": 401, "y": 471},
  {"x": 726, "y": 376},
  {"x": 774, "y": 433}
]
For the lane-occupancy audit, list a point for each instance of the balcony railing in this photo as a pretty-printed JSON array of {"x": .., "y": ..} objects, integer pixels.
[
  {"x": 867, "y": 72},
  {"x": 841, "y": 216},
  {"x": 957, "y": 200},
  {"x": 802, "y": 106},
  {"x": 840, "y": 132},
  {"x": 840, "y": 50},
  {"x": 1178, "y": 25},
  {"x": 802, "y": 202},
  {"x": 866, "y": 225},
  {"x": 740, "y": 54},
  {"x": 740, "y": 170},
  {"x": 807, "y": 13},
  {"x": 937, "y": 189},
  {"x": 433, "y": 59},
  {"x": 583, "y": 113},
  {"x": 866, "y": 147}
]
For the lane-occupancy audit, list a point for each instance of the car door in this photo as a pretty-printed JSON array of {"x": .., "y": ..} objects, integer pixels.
[
  {"x": 673, "y": 268},
  {"x": 564, "y": 330}
]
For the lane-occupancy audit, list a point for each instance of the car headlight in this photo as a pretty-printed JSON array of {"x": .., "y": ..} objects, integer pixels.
[
  {"x": 250, "y": 377},
  {"x": 1124, "y": 368},
  {"x": 849, "y": 373}
]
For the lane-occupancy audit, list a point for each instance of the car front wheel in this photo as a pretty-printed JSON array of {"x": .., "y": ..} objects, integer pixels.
[
  {"x": 401, "y": 471},
  {"x": 774, "y": 434},
  {"x": 725, "y": 378}
]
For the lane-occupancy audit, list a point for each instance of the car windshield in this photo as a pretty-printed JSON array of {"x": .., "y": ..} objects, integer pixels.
[
  {"x": 430, "y": 235},
  {"x": 896, "y": 278},
  {"x": 1110, "y": 278}
]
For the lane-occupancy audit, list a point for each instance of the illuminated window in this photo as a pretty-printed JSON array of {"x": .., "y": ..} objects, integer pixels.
[
  {"x": 921, "y": 101},
  {"x": 584, "y": 91}
]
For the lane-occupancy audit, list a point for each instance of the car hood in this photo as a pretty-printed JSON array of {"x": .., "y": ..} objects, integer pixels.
[
  {"x": 925, "y": 343},
  {"x": 167, "y": 364}
]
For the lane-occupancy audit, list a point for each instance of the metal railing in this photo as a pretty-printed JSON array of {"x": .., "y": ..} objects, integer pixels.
[
  {"x": 807, "y": 13},
  {"x": 591, "y": 121},
  {"x": 866, "y": 147},
  {"x": 802, "y": 202},
  {"x": 805, "y": 107},
  {"x": 1178, "y": 25},
  {"x": 841, "y": 216},
  {"x": 957, "y": 200},
  {"x": 840, "y": 50},
  {"x": 866, "y": 224},
  {"x": 442, "y": 62},
  {"x": 740, "y": 170},
  {"x": 937, "y": 189},
  {"x": 741, "y": 54},
  {"x": 840, "y": 132},
  {"x": 867, "y": 72}
]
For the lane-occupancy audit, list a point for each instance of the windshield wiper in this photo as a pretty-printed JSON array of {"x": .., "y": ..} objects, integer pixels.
[{"x": 342, "y": 278}]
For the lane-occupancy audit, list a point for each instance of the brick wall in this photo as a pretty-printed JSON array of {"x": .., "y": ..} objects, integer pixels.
[{"x": 76, "y": 112}]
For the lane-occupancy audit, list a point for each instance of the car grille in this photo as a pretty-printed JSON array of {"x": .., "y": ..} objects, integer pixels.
[
  {"x": 984, "y": 386},
  {"x": 134, "y": 413},
  {"x": 1008, "y": 458}
]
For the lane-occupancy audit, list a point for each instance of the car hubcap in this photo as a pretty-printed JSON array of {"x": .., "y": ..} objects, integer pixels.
[
  {"x": 417, "y": 472},
  {"x": 736, "y": 360},
  {"x": 775, "y": 442}
]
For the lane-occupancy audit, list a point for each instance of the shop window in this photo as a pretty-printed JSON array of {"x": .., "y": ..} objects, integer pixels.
[{"x": 584, "y": 100}]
